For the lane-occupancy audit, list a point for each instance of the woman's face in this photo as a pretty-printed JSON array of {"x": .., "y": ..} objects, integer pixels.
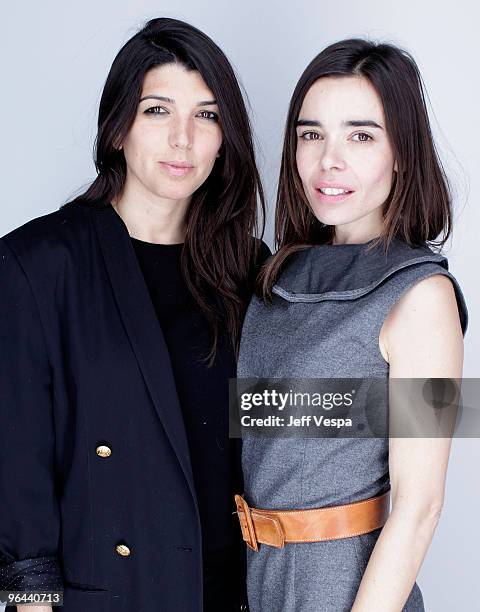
[
  {"x": 344, "y": 156},
  {"x": 172, "y": 145}
]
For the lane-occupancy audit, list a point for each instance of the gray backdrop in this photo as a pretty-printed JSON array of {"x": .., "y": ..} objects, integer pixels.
[{"x": 55, "y": 56}]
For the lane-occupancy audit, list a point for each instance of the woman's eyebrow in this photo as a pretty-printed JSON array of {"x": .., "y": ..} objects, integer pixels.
[
  {"x": 206, "y": 102},
  {"x": 172, "y": 101},
  {"x": 162, "y": 98},
  {"x": 362, "y": 123},
  {"x": 350, "y": 123}
]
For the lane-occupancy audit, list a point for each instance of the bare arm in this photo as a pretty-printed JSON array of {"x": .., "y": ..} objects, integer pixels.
[{"x": 421, "y": 338}]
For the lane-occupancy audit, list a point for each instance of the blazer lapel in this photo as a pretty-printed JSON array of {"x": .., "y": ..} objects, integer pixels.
[{"x": 143, "y": 329}]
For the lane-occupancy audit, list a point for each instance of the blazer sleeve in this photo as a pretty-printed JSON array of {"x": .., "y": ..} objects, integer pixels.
[{"x": 29, "y": 515}]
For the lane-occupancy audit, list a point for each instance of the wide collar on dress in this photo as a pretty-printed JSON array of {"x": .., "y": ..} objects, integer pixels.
[{"x": 346, "y": 271}]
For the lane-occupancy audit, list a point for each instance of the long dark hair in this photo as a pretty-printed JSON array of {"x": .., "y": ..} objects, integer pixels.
[
  {"x": 418, "y": 208},
  {"x": 219, "y": 253}
]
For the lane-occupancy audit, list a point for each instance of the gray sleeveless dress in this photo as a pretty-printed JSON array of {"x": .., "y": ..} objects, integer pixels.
[{"x": 329, "y": 304}]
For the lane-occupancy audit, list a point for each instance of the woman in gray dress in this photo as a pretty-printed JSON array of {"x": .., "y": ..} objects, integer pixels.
[{"x": 357, "y": 289}]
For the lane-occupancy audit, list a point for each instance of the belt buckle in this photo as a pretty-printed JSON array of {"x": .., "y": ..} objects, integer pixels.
[{"x": 246, "y": 523}]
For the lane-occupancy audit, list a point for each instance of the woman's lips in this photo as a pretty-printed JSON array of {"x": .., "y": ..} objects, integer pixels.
[
  {"x": 329, "y": 192},
  {"x": 323, "y": 197},
  {"x": 176, "y": 168}
]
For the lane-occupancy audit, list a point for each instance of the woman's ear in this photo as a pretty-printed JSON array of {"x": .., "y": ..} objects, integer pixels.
[
  {"x": 395, "y": 166},
  {"x": 220, "y": 150}
]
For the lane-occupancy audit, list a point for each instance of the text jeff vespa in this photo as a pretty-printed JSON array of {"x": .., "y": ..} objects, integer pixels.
[{"x": 280, "y": 401}]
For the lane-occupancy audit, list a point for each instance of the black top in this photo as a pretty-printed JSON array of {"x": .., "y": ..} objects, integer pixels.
[{"x": 203, "y": 395}]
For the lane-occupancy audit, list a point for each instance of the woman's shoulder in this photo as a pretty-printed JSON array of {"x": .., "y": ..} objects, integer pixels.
[
  {"x": 47, "y": 232},
  {"x": 427, "y": 291},
  {"x": 425, "y": 325}
]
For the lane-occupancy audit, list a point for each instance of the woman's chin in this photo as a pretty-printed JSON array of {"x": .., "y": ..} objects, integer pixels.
[{"x": 333, "y": 217}]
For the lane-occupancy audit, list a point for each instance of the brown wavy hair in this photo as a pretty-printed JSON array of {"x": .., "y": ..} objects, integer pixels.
[
  {"x": 418, "y": 209},
  {"x": 219, "y": 253}
]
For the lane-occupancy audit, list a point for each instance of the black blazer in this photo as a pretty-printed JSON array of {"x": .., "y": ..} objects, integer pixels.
[{"x": 84, "y": 365}]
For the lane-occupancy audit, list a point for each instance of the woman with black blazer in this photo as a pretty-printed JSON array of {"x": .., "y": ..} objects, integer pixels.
[{"x": 120, "y": 316}]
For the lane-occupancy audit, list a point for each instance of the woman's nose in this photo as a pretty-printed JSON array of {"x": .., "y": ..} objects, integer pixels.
[
  {"x": 332, "y": 156},
  {"x": 181, "y": 136}
]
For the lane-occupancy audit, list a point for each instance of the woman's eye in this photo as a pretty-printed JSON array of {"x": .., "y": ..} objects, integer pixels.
[
  {"x": 156, "y": 110},
  {"x": 362, "y": 137},
  {"x": 209, "y": 115},
  {"x": 310, "y": 135}
]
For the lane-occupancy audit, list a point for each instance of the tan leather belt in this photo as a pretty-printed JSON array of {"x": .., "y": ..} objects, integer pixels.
[{"x": 277, "y": 527}]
